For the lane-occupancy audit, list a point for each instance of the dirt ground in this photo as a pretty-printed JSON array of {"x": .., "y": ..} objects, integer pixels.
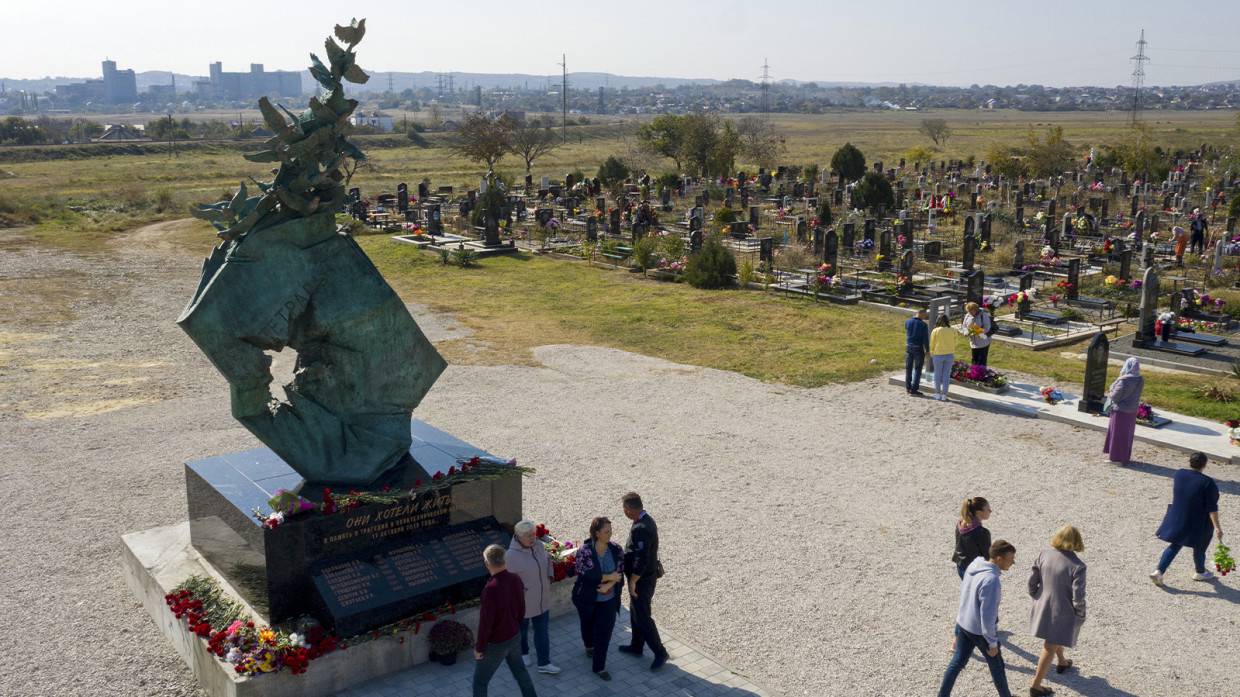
[{"x": 806, "y": 531}]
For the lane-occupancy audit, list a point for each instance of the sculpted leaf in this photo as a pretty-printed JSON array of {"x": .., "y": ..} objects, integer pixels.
[
  {"x": 273, "y": 118},
  {"x": 356, "y": 75}
]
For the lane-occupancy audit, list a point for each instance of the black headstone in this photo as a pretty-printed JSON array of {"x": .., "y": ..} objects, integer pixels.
[
  {"x": 1095, "y": 392},
  {"x": 831, "y": 252},
  {"x": 968, "y": 253},
  {"x": 402, "y": 197},
  {"x": 1074, "y": 278},
  {"x": 975, "y": 286},
  {"x": 766, "y": 250}
]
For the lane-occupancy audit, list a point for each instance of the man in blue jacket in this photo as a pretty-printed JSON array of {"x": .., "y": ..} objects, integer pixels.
[
  {"x": 916, "y": 344},
  {"x": 1190, "y": 517},
  {"x": 977, "y": 621}
]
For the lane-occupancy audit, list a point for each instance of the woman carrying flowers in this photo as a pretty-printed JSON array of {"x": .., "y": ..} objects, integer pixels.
[
  {"x": 1124, "y": 398},
  {"x": 977, "y": 327}
]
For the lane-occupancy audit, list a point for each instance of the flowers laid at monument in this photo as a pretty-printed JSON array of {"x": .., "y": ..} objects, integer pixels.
[
  {"x": 978, "y": 375},
  {"x": 448, "y": 638},
  {"x": 1051, "y": 394},
  {"x": 1145, "y": 413},
  {"x": 285, "y": 504},
  {"x": 563, "y": 554}
]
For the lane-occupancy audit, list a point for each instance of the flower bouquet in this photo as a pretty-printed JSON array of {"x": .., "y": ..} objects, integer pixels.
[
  {"x": 562, "y": 553},
  {"x": 1145, "y": 413},
  {"x": 1233, "y": 431},
  {"x": 978, "y": 376},
  {"x": 448, "y": 638},
  {"x": 1051, "y": 394},
  {"x": 1223, "y": 563}
]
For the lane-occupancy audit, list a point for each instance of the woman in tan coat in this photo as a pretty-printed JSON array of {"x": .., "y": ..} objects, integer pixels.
[{"x": 1057, "y": 586}]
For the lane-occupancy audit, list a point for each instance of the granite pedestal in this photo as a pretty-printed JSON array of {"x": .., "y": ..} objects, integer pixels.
[{"x": 355, "y": 569}]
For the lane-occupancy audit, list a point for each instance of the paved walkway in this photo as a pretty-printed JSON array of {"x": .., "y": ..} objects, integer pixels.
[
  {"x": 1184, "y": 433},
  {"x": 687, "y": 674}
]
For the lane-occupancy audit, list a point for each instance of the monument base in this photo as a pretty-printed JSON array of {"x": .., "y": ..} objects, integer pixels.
[{"x": 155, "y": 561}]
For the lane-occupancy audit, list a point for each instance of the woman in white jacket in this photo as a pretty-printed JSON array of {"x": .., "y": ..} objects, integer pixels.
[
  {"x": 979, "y": 338},
  {"x": 527, "y": 558}
]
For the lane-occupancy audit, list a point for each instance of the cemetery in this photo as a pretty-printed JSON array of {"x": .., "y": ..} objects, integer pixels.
[{"x": 273, "y": 471}]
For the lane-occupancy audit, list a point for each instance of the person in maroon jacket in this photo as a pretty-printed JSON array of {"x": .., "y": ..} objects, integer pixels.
[{"x": 499, "y": 624}]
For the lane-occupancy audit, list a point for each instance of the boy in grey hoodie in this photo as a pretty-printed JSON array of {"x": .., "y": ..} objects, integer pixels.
[{"x": 977, "y": 622}]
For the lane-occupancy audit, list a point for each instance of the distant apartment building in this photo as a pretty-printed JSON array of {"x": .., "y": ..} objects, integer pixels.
[
  {"x": 115, "y": 87},
  {"x": 251, "y": 85}
]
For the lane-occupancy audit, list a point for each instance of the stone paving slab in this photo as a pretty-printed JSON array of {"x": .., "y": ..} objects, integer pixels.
[
  {"x": 689, "y": 673},
  {"x": 1184, "y": 433}
]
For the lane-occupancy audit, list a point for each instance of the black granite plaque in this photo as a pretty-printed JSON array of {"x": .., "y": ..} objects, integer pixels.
[{"x": 420, "y": 573}]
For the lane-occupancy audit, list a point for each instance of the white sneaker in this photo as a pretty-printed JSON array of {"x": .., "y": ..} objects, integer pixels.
[
  {"x": 527, "y": 659},
  {"x": 1204, "y": 576},
  {"x": 549, "y": 669},
  {"x": 1156, "y": 577}
]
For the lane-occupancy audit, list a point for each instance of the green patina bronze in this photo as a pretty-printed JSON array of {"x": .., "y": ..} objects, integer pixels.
[{"x": 284, "y": 276}]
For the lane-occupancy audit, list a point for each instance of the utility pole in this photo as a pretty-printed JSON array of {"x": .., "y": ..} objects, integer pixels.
[
  {"x": 1138, "y": 77},
  {"x": 564, "y": 95},
  {"x": 390, "y": 90}
]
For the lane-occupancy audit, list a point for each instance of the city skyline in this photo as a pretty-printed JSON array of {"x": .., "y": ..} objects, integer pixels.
[{"x": 949, "y": 44}]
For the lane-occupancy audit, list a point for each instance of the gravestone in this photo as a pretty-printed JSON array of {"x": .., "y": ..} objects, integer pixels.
[
  {"x": 1052, "y": 236},
  {"x": 969, "y": 224},
  {"x": 1147, "y": 256},
  {"x": 402, "y": 197},
  {"x": 1050, "y": 212},
  {"x": 802, "y": 229},
  {"x": 939, "y": 306},
  {"x": 434, "y": 219},
  {"x": 968, "y": 253},
  {"x": 1125, "y": 264},
  {"x": 754, "y": 217},
  {"x": 695, "y": 240},
  {"x": 1106, "y": 206},
  {"x": 1074, "y": 278},
  {"x": 1096, "y": 356},
  {"x": 766, "y": 250},
  {"x": 884, "y": 249},
  {"x": 1020, "y": 216},
  {"x": 1066, "y": 226},
  {"x": 1149, "y": 305},
  {"x": 850, "y": 236},
  {"x": 987, "y": 221},
  {"x": 818, "y": 241},
  {"x": 1217, "y": 266},
  {"x": 613, "y": 221},
  {"x": 424, "y": 191},
  {"x": 932, "y": 250},
  {"x": 831, "y": 252},
  {"x": 1026, "y": 280},
  {"x": 974, "y": 286},
  {"x": 1139, "y": 227},
  {"x": 1018, "y": 255},
  {"x": 870, "y": 227},
  {"x": 592, "y": 229},
  {"x": 906, "y": 265}
]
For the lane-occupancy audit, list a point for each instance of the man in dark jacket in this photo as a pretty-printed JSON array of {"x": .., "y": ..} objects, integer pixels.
[
  {"x": 1197, "y": 241},
  {"x": 1192, "y": 515},
  {"x": 641, "y": 564},
  {"x": 916, "y": 344},
  {"x": 499, "y": 623}
]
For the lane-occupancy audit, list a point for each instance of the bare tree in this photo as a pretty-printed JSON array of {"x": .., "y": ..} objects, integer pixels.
[
  {"x": 483, "y": 139},
  {"x": 531, "y": 140},
  {"x": 760, "y": 142},
  {"x": 936, "y": 130}
]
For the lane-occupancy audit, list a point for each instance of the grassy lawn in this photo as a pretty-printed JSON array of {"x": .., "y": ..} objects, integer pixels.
[{"x": 516, "y": 303}]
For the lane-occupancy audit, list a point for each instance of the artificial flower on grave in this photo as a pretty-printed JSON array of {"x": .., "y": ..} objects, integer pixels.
[
  {"x": 1108, "y": 245},
  {"x": 1223, "y": 563},
  {"x": 1145, "y": 412},
  {"x": 1110, "y": 280},
  {"x": 824, "y": 268},
  {"x": 1051, "y": 394},
  {"x": 1040, "y": 216},
  {"x": 1065, "y": 286},
  {"x": 1136, "y": 284},
  {"x": 879, "y": 257},
  {"x": 1054, "y": 298}
]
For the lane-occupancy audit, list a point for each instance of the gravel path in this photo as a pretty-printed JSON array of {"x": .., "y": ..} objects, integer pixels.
[{"x": 806, "y": 533}]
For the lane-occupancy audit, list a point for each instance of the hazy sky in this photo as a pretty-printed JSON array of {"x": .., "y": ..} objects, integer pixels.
[{"x": 947, "y": 42}]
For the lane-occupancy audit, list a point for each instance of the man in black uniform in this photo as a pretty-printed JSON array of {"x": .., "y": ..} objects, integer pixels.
[{"x": 641, "y": 563}]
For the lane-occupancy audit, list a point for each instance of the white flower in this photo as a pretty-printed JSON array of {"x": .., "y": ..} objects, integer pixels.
[
  {"x": 233, "y": 655},
  {"x": 294, "y": 639},
  {"x": 1048, "y": 251}
]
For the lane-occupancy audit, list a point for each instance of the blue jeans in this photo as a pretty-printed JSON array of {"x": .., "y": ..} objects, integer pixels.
[
  {"x": 914, "y": 359},
  {"x": 542, "y": 638},
  {"x": 504, "y": 652},
  {"x": 965, "y": 643},
  {"x": 942, "y": 373},
  {"x": 1168, "y": 555}
]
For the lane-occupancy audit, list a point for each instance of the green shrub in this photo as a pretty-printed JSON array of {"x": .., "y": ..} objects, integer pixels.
[
  {"x": 464, "y": 257},
  {"x": 612, "y": 172},
  {"x": 712, "y": 267},
  {"x": 444, "y": 256},
  {"x": 725, "y": 216},
  {"x": 416, "y": 137},
  {"x": 646, "y": 252},
  {"x": 672, "y": 247},
  {"x": 746, "y": 274},
  {"x": 848, "y": 162}
]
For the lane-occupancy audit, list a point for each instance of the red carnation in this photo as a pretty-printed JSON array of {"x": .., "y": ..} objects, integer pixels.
[
  {"x": 452, "y": 470},
  {"x": 438, "y": 476}
]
